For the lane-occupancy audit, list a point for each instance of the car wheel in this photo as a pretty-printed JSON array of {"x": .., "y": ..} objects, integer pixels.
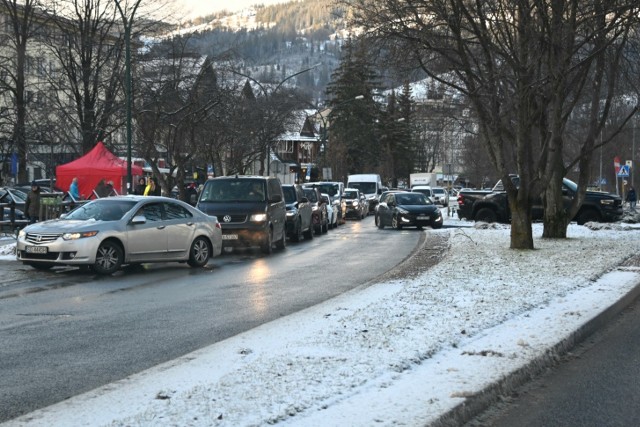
[
  {"x": 39, "y": 265},
  {"x": 436, "y": 225},
  {"x": 379, "y": 223},
  {"x": 587, "y": 215},
  {"x": 325, "y": 226},
  {"x": 309, "y": 233},
  {"x": 282, "y": 243},
  {"x": 297, "y": 234},
  {"x": 108, "y": 259},
  {"x": 486, "y": 215},
  {"x": 267, "y": 243},
  {"x": 199, "y": 253},
  {"x": 395, "y": 224}
]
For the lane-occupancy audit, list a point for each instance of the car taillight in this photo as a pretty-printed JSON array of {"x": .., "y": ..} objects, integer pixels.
[{"x": 460, "y": 199}]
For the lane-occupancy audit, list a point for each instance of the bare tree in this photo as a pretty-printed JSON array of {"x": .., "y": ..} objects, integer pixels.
[{"x": 505, "y": 57}]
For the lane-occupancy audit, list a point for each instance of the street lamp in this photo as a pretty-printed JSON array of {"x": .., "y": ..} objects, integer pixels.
[
  {"x": 267, "y": 95},
  {"x": 127, "y": 22}
]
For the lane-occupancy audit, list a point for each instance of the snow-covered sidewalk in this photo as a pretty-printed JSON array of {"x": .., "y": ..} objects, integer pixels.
[{"x": 401, "y": 352}]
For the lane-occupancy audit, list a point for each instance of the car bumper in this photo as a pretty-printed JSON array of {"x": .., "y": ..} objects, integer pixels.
[
  {"x": 71, "y": 252},
  {"x": 234, "y": 237}
]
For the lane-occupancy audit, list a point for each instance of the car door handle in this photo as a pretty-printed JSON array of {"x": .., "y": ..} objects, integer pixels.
[
  {"x": 161, "y": 227},
  {"x": 190, "y": 224}
]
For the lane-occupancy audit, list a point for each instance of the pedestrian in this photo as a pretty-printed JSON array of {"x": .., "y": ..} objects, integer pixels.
[
  {"x": 150, "y": 189},
  {"x": 157, "y": 190},
  {"x": 632, "y": 197},
  {"x": 140, "y": 187},
  {"x": 101, "y": 189},
  {"x": 110, "y": 190},
  {"x": 32, "y": 204},
  {"x": 73, "y": 189}
]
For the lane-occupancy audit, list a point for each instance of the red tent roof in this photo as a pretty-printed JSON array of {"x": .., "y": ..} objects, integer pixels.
[{"x": 97, "y": 164}]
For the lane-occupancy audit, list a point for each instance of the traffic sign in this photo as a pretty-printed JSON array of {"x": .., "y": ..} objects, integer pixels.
[{"x": 624, "y": 171}]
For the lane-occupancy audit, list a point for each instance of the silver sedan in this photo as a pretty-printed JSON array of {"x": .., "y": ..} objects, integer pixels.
[{"x": 106, "y": 233}]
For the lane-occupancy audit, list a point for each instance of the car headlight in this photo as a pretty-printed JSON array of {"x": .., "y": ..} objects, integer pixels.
[
  {"x": 76, "y": 236},
  {"x": 355, "y": 203},
  {"x": 22, "y": 233},
  {"x": 261, "y": 217},
  {"x": 606, "y": 201},
  {"x": 402, "y": 211}
]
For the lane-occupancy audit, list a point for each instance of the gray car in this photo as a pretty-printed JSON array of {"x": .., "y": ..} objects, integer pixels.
[{"x": 106, "y": 233}]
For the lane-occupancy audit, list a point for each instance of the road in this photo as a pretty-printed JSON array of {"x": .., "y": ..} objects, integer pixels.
[
  {"x": 67, "y": 331},
  {"x": 597, "y": 384}
]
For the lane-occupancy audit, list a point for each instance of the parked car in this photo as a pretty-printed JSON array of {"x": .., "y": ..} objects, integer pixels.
[
  {"x": 410, "y": 209},
  {"x": 320, "y": 216},
  {"x": 299, "y": 214},
  {"x": 424, "y": 189},
  {"x": 354, "y": 204},
  {"x": 332, "y": 212},
  {"x": 251, "y": 210},
  {"x": 334, "y": 190},
  {"x": 106, "y": 233},
  {"x": 440, "y": 196},
  {"x": 10, "y": 195}
]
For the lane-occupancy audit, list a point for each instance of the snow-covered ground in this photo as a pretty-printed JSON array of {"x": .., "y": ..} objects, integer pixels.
[{"x": 401, "y": 352}]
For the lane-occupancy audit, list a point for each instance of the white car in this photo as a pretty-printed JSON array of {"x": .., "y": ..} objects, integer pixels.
[
  {"x": 440, "y": 196},
  {"x": 332, "y": 212},
  {"x": 108, "y": 232}
]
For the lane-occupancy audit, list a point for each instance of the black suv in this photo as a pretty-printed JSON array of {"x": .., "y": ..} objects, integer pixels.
[
  {"x": 298, "y": 213},
  {"x": 251, "y": 210}
]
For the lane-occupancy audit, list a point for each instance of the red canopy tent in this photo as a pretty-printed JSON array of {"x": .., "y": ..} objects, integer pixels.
[{"x": 97, "y": 164}]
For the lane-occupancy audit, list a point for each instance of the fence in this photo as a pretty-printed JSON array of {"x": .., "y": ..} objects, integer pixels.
[{"x": 52, "y": 206}]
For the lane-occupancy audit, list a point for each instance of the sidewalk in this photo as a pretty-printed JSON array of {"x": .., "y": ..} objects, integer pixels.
[{"x": 433, "y": 343}]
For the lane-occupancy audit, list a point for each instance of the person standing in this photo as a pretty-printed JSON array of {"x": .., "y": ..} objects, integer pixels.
[
  {"x": 150, "y": 189},
  {"x": 632, "y": 197},
  {"x": 101, "y": 189},
  {"x": 73, "y": 189},
  {"x": 140, "y": 187},
  {"x": 32, "y": 204}
]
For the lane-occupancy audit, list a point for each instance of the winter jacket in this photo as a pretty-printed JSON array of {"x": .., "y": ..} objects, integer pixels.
[{"x": 32, "y": 205}]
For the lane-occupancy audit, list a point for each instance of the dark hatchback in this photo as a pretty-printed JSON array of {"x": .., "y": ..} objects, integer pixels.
[
  {"x": 250, "y": 209},
  {"x": 410, "y": 209}
]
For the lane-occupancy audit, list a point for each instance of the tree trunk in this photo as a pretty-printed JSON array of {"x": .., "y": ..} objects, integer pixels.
[
  {"x": 555, "y": 215},
  {"x": 521, "y": 231}
]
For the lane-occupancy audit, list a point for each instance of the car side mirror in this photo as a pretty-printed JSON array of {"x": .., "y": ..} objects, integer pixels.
[
  {"x": 139, "y": 219},
  {"x": 276, "y": 198}
]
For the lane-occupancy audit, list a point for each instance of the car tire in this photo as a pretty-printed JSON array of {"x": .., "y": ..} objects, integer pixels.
[
  {"x": 436, "y": 225},
  {"x": 486, "y": 215},
  {"x": 297, "y": 234},
  {"x": 395, "y": 224},
  {"x": 199, "y": 253},
  {"x": 588, "y": 215},
  {"x": 109, "y": 258},
  {"x": 308, "y": 235},
  {"x": 379, "y": 223},
  {"x": 267, "y": 243},
  {"x": 282, "y": 243},
  {"x": 325, "y": 227}
]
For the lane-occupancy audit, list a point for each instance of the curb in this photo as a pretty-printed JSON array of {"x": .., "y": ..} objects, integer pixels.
[{"x": 476, "y": 404}]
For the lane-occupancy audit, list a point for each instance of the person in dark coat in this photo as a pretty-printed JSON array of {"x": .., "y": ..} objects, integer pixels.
[
  {"x": 157, "y": 191},
  {"x": 139, "y": 189},
  {"x": 101, "y": 189},
  {"x": 632, "y": 197},
  {"x": 32, "y": 205}
]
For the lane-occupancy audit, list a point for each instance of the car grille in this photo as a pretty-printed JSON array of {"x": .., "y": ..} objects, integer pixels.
[
  {"x": 231, "y": 218},
  {"x": 39, "y": 238}
]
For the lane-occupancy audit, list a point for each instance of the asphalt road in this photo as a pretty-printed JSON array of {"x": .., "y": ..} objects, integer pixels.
[
  {"x": 67, "y": 331},
  {"x": 596, "y": 385}
]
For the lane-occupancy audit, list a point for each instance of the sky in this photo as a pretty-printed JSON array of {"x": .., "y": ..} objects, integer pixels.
[{"x": 403, "y": 351}]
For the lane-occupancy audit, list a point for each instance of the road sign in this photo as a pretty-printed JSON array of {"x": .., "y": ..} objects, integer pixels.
[{"x": 623, "y": 172}]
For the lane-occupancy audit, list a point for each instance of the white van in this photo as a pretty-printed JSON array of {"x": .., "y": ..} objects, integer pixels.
[{"x": 370, "y": 185}]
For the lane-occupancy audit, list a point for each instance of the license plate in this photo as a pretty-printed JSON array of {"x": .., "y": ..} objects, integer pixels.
[
  {"x": 423, "y": 217},
  {"x": 229, "y": 237},
  {"x": 37, "y": 249}
]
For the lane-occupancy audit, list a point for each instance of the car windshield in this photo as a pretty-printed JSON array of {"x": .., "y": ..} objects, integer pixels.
[
  {"x": 330, "y": 189},
  {"x": 364, "y": 187},
  {"x": 102, "y": 210},
  {"x": 311, "y": 195},
  {"x": 289, "y": 194},
  {"x": 417, "y": 199},
  {"x": 426, "y": 192},
  {"x": 350, "y": 195},
  {"x": 234, "y": 190},
  {"x": 438, "y": 191}
]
